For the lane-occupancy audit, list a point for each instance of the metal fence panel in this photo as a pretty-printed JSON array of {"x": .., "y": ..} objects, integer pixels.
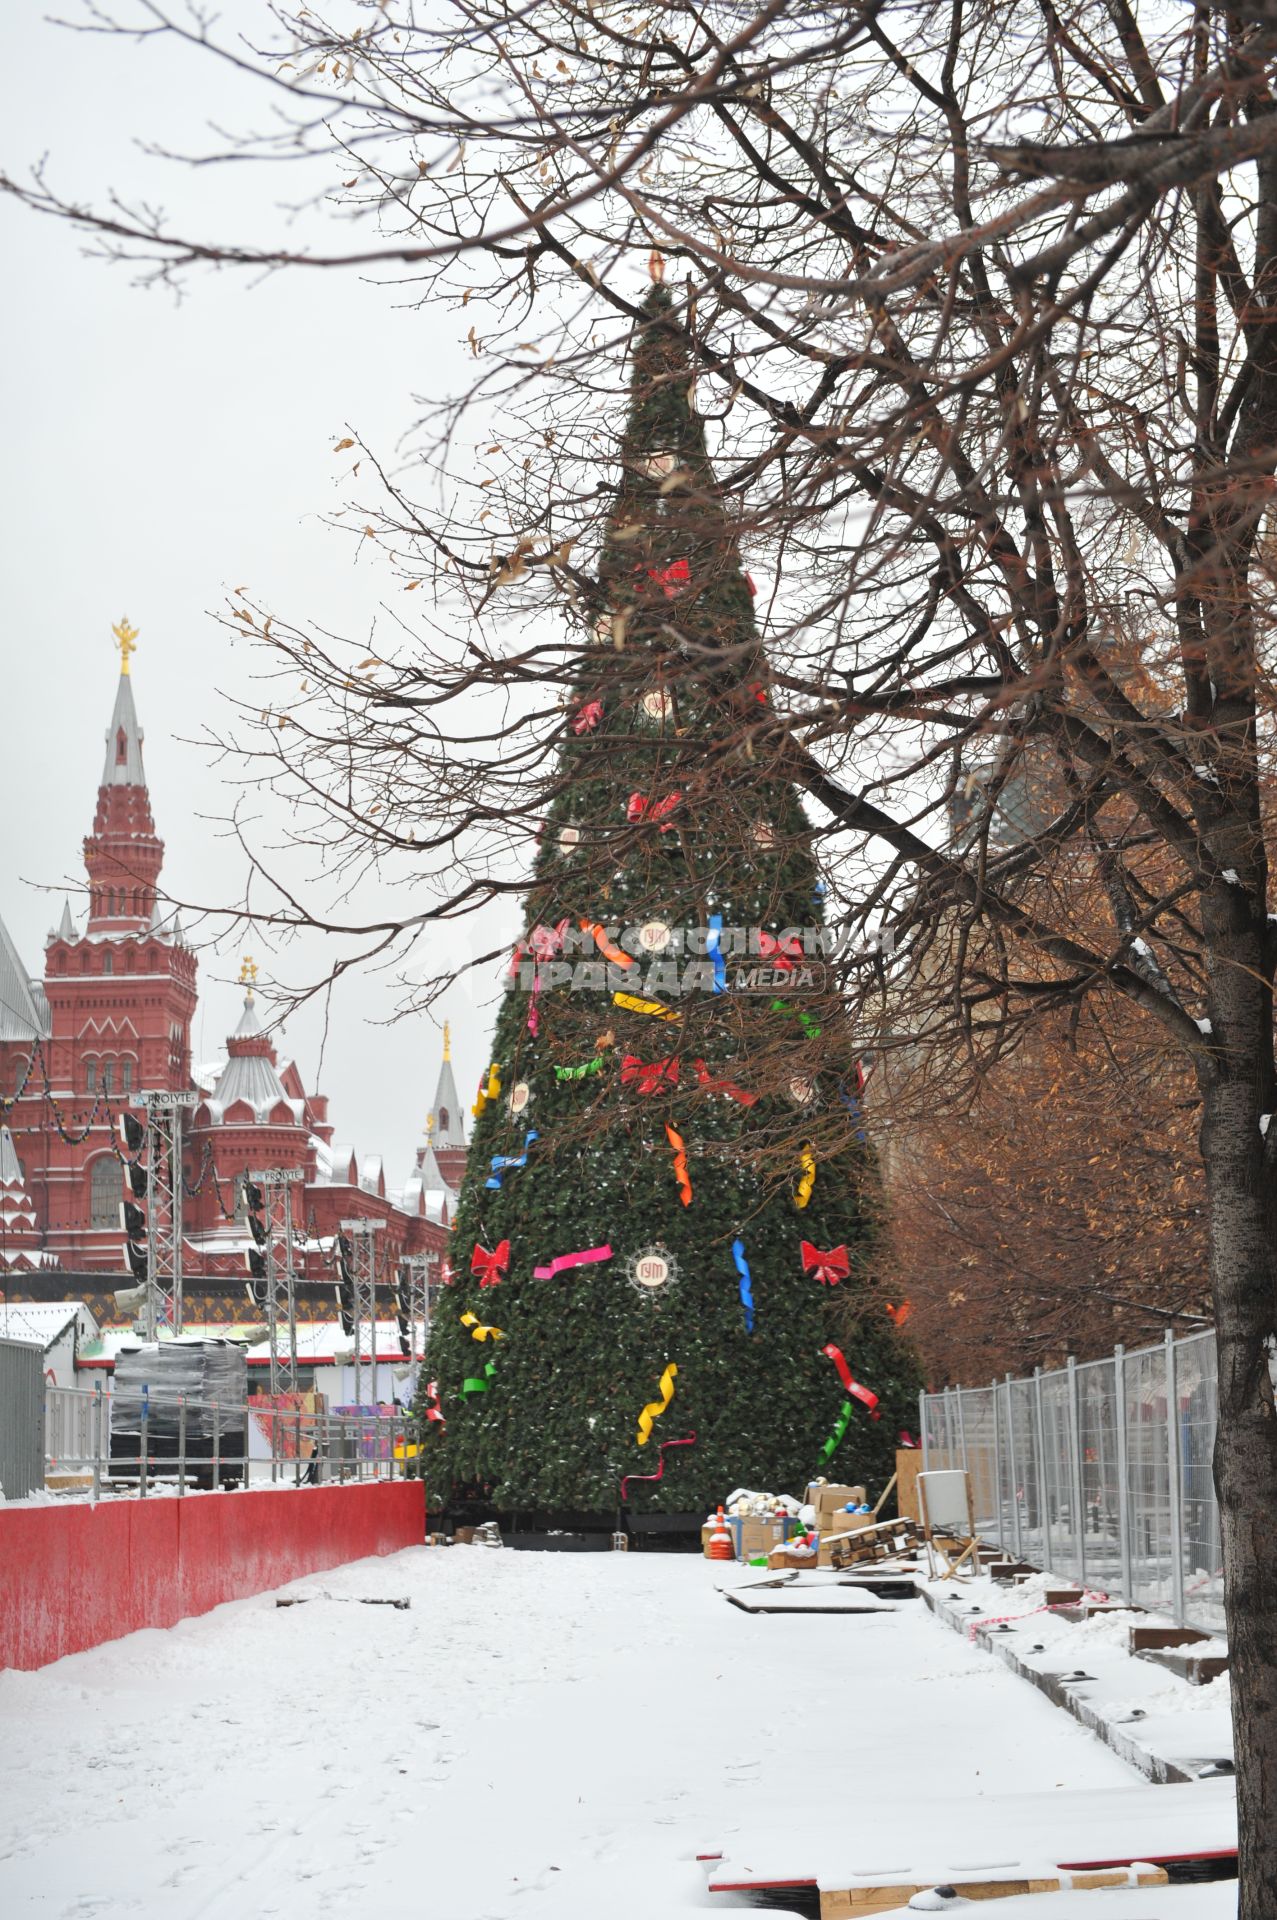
[
  {"x": 21, "y": 1419},
  {"x": 1059, "y": 1518},
  {"x": 1100, "y": 1472},
  {"x": 1022, "y": 1418},
  {"x": 1008, "y": 1508},
  {"x": 1148, "y": 1480},
  {"x": 981, "y": 1455},
  {"x": 1102, "y": 1505},
  {"x": 1198, "y": 1399}
]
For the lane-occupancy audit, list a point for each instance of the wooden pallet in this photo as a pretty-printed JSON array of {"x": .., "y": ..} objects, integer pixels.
[
  {"x": 881, "y": 1542},
  {"x": 851, "y": 1903}
]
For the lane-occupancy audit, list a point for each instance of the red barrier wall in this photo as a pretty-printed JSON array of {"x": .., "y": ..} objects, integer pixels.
[{"x": 72, "y": 1577}]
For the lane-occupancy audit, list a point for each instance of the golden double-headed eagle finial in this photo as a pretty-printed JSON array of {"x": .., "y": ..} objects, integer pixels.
[
  {"x": 248, "y": 974},
  {"x": 126, "y": 641}
]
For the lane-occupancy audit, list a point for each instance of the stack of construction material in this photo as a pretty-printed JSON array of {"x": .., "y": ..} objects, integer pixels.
[{"x": 191, "y": 1391}]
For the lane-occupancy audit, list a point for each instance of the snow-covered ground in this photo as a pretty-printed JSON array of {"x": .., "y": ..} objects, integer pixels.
[
  {"x": 541, "y": 1737},
  {"x": 1189, "y": 1726}
]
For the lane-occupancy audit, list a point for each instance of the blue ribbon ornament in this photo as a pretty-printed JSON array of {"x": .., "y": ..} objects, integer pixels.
[
  {"x": 857, "y": 1112},
  {"x": 502, "y": 1163},
  {"x": 714, "y": 948},
  {"x": 746, "y": 1283}
]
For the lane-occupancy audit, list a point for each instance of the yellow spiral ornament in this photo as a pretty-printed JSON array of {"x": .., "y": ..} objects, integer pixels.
[
  {"x": 477, "y": 1329},
  {"x": 634, "y": 1004},
  {"x": 655, "y": 1408},
  {"x": 808, "y": 1179},
  {"x": 488, "y": 1092}
]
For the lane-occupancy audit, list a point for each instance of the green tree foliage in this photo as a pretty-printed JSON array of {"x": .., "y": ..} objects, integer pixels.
[{"x": 662, "y": 813}]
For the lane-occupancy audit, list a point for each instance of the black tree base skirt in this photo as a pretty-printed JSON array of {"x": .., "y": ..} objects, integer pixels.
[{"x": 551, "y": 1530}]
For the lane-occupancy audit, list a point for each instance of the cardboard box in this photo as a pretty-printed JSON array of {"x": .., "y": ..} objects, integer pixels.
[
  {"x": 787, "y": 1557},
  {"x": 832, "y": 1499},
  {"x": 838, "y": 1520},
  {"x": 749, "y": 1536}
]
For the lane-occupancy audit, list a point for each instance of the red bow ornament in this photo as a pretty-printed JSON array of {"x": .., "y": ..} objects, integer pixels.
[
  {"x": 490, "y": 1266},
  {"x": 649, "y": 1076},
  {"x": 588, "y": 717},
  {"x": 781, "y": 953},
  {"x": 545, "y": 942},
  {"x": 829, "y": 1268},
  {"x": 729, "y": 1087},
  {"x": 672, "y": 579},
  {"x": 639, "y": 807}
]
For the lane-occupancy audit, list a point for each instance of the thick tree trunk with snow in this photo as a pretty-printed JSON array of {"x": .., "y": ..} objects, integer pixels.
[
  {"x": 1244, "y": 1269},
  {"x": 1243, "y": 1258},
  {"x": 1238, "y": 1091}
]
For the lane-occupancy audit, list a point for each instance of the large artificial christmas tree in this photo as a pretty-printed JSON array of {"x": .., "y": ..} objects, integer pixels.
[{"x": 664, "y": 1222}]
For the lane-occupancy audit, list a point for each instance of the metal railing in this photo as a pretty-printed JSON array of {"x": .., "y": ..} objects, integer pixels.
[
  {"x": 103, "y": 1439},
  {"x": 1099, "y": 1471}
]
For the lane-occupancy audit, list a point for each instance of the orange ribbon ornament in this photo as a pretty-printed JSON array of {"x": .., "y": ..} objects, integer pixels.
[
  {"x": 615, "y": 954},
  {"x": 680, "y": 1164}
]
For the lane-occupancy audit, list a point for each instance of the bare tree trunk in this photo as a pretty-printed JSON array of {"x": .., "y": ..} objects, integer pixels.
[
  {"x": 1243, "y": 1259},
  {"x": 1237, "y": 1093}
]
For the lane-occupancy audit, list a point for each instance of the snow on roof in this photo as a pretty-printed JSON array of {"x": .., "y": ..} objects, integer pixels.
[
  {"x": 340, "y": 1155},
  {"x": 40, "y": 1321},
  {"x": 23, "y": 1012},
  {"x": 319, "y": 1342}
]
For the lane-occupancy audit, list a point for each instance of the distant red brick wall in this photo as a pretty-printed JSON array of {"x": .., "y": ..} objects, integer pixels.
[{"x": 74, "y": 1576}]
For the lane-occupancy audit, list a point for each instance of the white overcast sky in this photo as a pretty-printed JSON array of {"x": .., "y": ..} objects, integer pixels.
[{"x": 156, "y": 456}]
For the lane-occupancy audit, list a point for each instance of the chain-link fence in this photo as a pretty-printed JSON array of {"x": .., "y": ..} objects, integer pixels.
[
  {"x": 1099, "y": 1472},
  {"x": 146, "y": 1439}
]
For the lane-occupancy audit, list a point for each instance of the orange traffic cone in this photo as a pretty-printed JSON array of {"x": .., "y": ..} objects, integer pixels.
[{"x": 720, "y": 1541}]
